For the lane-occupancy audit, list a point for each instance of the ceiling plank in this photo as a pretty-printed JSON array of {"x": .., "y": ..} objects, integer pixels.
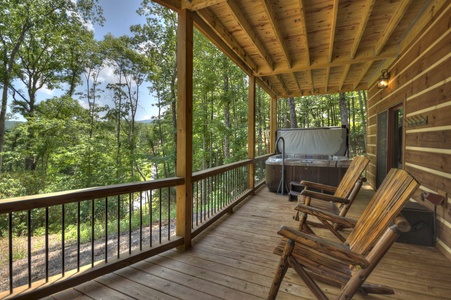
[
  {"x": 273, "y": 21},
  {"x": 194, "y": 5},
  {"x": 242, "y": 20},
  {"x": 332, "y": 29},
  {"x": 362, "y": 25},
  {"x": 222, "y": 32},
  {"x": 394, "y": 20}
]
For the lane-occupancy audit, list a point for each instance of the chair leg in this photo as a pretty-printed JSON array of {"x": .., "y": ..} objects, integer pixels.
[{"x": 281, "y": 270}]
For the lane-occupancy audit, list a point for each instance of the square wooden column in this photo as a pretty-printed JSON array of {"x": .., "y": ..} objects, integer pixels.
[
  {"x": 185, "y": 125},
  {"x": 251, "y": 131}
]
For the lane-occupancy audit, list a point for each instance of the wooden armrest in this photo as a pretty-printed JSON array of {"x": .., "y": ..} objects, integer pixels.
[
  {"x": 325, "y": 215},
  {"x": 402, "y": 224},
  {"x": 336, "y": 250},
  {"x": 319, "y": 186},
  {"x": 325, "y": 197}
]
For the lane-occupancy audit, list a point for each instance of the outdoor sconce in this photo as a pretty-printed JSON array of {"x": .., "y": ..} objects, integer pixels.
[{"x": 382, "y": 83}]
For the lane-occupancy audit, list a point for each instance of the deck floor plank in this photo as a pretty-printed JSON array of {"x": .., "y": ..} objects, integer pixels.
[{"x": 233, "y": 259}]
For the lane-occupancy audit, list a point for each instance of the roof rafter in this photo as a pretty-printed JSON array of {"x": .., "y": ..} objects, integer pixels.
[
  {"x": 237, "y": 11},
  {"x": 276, "y": 29},
  {"x": 399, "y": 13},
  {"x": 365, "y": 69},
  {"x": 362, "y": 25},
  {"x": 332, "y": 29},
  {"x": 343, "y": 77}
]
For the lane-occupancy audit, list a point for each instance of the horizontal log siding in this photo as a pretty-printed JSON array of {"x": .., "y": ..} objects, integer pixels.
[{"x": 421, "y": 80}]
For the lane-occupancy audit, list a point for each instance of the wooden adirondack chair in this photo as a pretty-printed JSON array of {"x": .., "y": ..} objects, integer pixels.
[
  {"x": 338, "y": 203},
  {"x": 348, "y": 265}
]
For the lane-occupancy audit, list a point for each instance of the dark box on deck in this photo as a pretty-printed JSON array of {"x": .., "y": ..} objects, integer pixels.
[{"x": 421, "y": 220}]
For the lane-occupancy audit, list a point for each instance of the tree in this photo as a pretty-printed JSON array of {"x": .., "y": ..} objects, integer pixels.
[{"x": 20, "y": 18}]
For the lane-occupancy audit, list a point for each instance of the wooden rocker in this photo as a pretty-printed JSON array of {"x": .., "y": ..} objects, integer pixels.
[
  {"x": 347, "y": 265},
  {"x": 338, "y": 203}
]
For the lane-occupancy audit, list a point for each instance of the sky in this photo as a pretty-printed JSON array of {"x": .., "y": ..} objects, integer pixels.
[{"x": 119, "y": 16}]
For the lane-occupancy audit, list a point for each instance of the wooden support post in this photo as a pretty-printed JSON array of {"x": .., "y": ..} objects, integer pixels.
[
  {"x": 185, "y": 125},
  {"x": 272, "y": 124},
  {"x": 251, "y": 132}
]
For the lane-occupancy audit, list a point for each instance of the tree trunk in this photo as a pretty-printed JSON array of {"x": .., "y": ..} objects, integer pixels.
[
  {"x": 343, "y": 110},
  {"x": 293, "y": 119}
]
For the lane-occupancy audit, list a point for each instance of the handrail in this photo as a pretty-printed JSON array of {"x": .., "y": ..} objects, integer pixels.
[{"x": 44, "y": 200}]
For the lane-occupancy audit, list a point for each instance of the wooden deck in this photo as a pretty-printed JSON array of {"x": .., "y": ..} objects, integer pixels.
[{"x": 233, "y": 260}]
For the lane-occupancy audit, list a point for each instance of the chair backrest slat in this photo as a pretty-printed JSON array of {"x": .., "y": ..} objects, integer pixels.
[
  {"x": 351, "y": 176},
  {"x": 385, "y": 205}
]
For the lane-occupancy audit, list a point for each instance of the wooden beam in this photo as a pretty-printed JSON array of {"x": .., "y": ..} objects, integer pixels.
[
  {"x": 332, "y": 29},
  {"x": 280, "y": 79},
  {"x": 175, "y": 5},
  {"x": 326, "y": 84},
  {"x": 394, "y": 20},
  {"x": 266, "y": 86},
  {"x": 362, "y": 25},
  {"x": 365, "y": 69},
  {"x": 224, "y": 35},
  {"x": 251, "y": 132},
  {"x": 296, "y": 81},
  {"x": 343, "y": 77},
  {"x": 184, "y": 126},
  {"x": 242, "y": 20},
  {"x": 194, "y": 5},
  {"x": 273, "y": 21}
]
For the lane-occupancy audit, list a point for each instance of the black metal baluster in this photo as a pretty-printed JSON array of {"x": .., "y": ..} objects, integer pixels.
[
  {"x": 149, "y": 203},
  {"x": 118, "y": 226},
  {"x": 10, "y": 237},
  {"x": 63, "y": 246},
  {"x": 106, "y": 229},
  {"x": 130, "y": 212},
  {"x": 29, "y": 246},
  {"x": 160, "y": 213},
  {"x": 78, "y": 235},
  {"x": 92, "y": 232},
  {"x": 140, "y": 221},
  {"x": 47, "y": 244},
  {"x": 169, "y": 213}
]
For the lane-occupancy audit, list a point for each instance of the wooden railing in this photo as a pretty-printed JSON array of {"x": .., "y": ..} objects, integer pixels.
[{"x": 55, "y": 241}]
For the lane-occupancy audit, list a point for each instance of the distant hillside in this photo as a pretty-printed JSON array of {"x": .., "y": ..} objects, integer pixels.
[
  {"x": 148, "y": 121},
  {"x": 11, "y": 124}
]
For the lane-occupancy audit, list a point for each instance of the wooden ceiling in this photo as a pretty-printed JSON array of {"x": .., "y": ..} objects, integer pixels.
[{"x": 305, "y": 47}]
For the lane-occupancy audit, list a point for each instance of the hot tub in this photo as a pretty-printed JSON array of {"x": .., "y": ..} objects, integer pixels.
[{"x": 314, "y": 154}]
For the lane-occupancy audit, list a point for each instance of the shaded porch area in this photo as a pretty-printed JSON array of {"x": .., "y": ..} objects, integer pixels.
[{"x": 233, "y": 259}]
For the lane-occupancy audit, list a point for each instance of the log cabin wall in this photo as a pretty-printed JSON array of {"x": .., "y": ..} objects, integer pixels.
[{"x": 420, "y": 82}]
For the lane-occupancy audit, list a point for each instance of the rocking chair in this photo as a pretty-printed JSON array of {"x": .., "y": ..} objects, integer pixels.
[
  {"x": 348, "y": 265},
  {"x": 338, "y": 203}
]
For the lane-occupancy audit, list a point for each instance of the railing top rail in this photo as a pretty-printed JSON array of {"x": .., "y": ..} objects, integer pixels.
[
  {"x": 45, "y": 200},
  {"x": 218, "y": 170}
]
